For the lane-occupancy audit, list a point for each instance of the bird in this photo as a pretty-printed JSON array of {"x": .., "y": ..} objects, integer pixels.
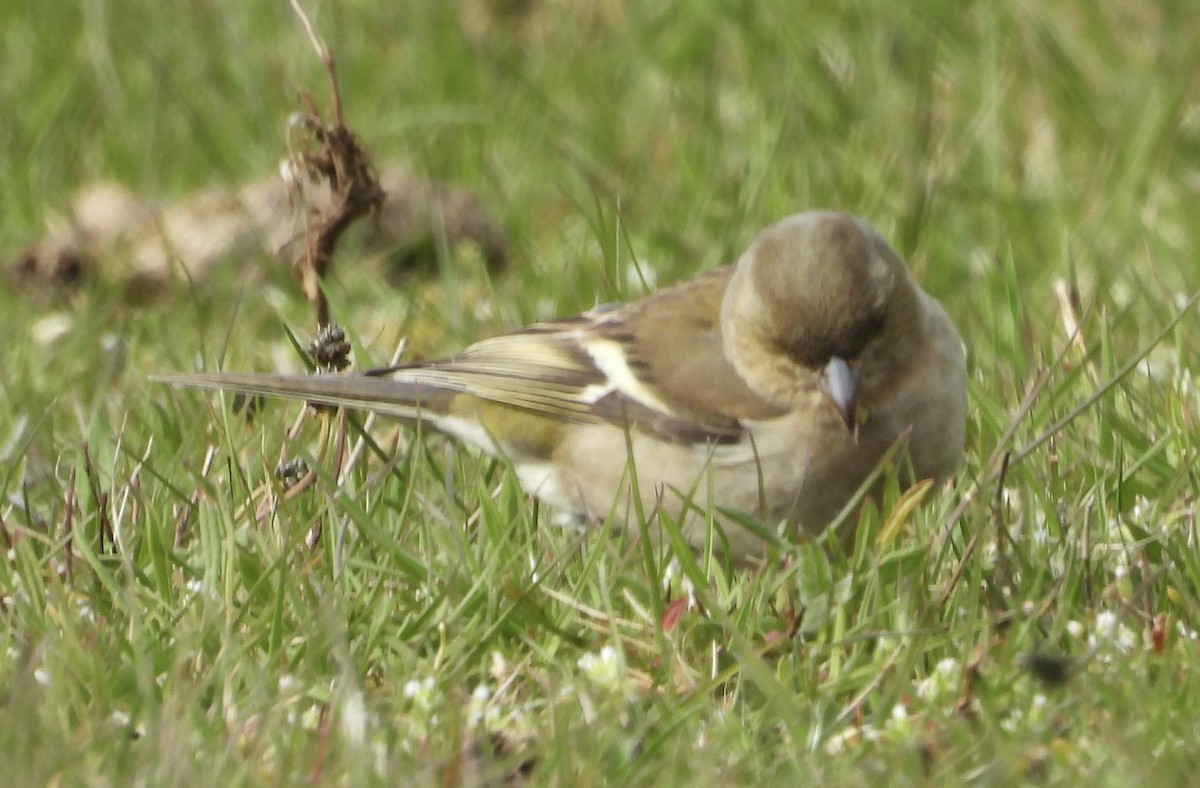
[{"x": 773, "y": 387}]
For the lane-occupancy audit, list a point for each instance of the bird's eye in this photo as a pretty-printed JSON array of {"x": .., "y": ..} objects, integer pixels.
[
  {"x": 851, "y": 344},
  {"x": 809, "y": 354}
]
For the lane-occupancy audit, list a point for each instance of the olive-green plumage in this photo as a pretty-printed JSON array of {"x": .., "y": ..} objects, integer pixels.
[{"x": 774, "y": 386}]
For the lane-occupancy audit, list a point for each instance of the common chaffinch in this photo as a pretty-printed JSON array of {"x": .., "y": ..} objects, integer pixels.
[{"x": 774, "y": 386}]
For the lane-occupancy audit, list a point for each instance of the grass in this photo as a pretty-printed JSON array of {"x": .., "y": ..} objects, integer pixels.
[{"x": 1037, "y": 623}]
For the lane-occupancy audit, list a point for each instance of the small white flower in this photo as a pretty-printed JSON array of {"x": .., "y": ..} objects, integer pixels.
[
  {"x": 843, "y": 740},
  {"x": 421, "y": 693},
  {"x": 670, "y": 572},
  {"x": 1127, "y": 639},
  {"x": 1120, "y": 571},
  {"x": 898, "y": 727},
  {"x": 310, "y": 720},
  {"x": 479, "y": 710},
  {"x": 606, "y": 669},
  {"x": 689, "y": 588},
  {"x": 498, "y": 669},
  {"x": 1075, "y": 629},
  {"x": 1039, "y": 705},
  {"x": 1109, "y": 633},
  {"x": 41, "y": 677},
  {"x": 1106, "y": 624},
  {"x": 990, "y": 555},
  {"x": 938, "y": 683}
]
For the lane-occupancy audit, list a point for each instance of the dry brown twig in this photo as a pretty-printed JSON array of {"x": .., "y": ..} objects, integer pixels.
[
  {"x": 335, "y": 157},
  {"x": 330, "y": 155}
]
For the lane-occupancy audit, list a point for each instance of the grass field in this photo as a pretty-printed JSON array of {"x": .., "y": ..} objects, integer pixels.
[{"x": 1038, "y": 164}]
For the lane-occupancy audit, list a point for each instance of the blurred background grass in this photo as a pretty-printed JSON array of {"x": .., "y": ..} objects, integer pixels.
[{"x": 1000, "y": 145}]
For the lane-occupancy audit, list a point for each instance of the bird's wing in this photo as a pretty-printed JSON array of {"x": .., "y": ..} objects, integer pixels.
[{"x": 657, "y": 365}]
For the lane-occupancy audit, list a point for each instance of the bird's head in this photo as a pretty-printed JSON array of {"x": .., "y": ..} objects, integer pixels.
[{"x": 821, "y": 297}]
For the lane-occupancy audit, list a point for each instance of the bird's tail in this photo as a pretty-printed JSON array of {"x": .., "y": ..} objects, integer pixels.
[{"x": 389, "y": 396}]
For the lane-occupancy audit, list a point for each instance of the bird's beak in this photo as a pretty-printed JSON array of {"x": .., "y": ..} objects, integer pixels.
[{"x": 839, "y": 382}]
